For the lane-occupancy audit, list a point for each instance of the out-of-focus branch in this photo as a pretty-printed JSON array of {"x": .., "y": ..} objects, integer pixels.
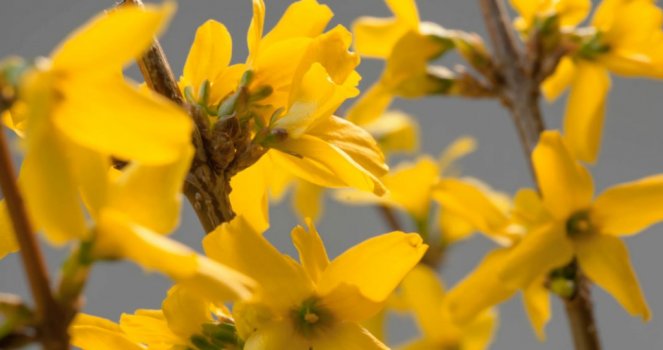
[{"x": 520, "y": 76}]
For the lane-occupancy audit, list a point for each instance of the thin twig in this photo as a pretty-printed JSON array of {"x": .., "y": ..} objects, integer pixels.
[
  {"x": 207, "y": 190},
  {"x": 53, "y": 331},
  {"x": 520, "y": 94},
  {"x": 389, "y": 217}
]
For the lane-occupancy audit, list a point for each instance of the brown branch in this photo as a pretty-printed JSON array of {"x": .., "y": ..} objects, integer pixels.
[
  {"x": 206, "y": 189},
  {"x": 389, "y": 217},
  {"x": 52, "y": 327},
  {"x": 520, "y": 77}
]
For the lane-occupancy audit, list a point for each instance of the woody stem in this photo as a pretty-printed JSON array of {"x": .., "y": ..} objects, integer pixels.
[{"x": 519, "y": 87}]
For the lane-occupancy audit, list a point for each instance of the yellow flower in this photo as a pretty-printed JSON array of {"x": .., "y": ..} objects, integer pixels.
[
  {"x": 317, "y": 303},
  {"x": 625, "y": 39},
  {"x": 185, "y": 321},
  {"x": 407, "y": 45},
  {"x": 569, "y": 12},
  {"x": 424, "y": 295},
  {"x": 79, "y": 100}
]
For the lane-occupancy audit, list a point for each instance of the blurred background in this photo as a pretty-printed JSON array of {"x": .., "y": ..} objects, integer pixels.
[{"x": 632, "y": 148}]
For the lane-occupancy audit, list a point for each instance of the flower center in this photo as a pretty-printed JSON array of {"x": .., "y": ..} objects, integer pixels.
[
  {"x": 310, "y": 317},
  {"x": 579, "y": 224}
]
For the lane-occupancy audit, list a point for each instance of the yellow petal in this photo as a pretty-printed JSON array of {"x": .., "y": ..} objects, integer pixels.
[
  {"x": 127, "y": 124},
  {"x": 560, "y": 80},
  {"x": 454, "y": 226},
  {"x": 479, "y": 334},
  {"x": 532, "y": 257},
  {"x": 331, "y": 49},
  {"x": 305, "y": 18},
  {"x": 326, "y": 165},
  {"x": 376, "y": 37},
  {"x": 354, "y": 141},
  {"x": 185, "y": 311},
  {"x": 149, "y": 327},
  {"x": 473, "y": 203},
  {"x": 468, "y": 298},
  {"x": 225, "y": 83},
  {"x": 94, "y": 333},
  {"x": 209, "y": 55},
  {"x": 566, "y": 186},
  {"x": 605, "y": 260},
  {"x": 276, "y": 335},
  {"x": 411, "y": 184},
  {"x": 371, "y": 105},
  {"x": 256, "y": 28},
  {"x": 405, "y": 10},
  {"x": 8, "y": 242},
  {"x": 113, "y": 39},
  {"x": 116, "y": 238},
  {"x": 630, "y": 207},
  {"x": 423, "y": 292},
  {"x": 347, "y": 336},
  {"x": 308, "y": 200},
  {"x": 395, "y": 132},
  {"x": 461, "y": 147},
  {"x": 585, "y": 111},
  {"x": 312, "y": 253},
  {"x": 152, "y": 195},
  {"x": 94, "y": 176},
  {"x": 375, "y": 266},
  {"x": 347, "y": 303},
  {"x": 283, "y": 283},
  {"x": 536, "y": 299},
  {"x": 249, "y": 194}
]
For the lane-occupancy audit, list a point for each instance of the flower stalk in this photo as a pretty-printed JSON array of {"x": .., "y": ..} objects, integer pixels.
[{"x": 519, "y": 76}]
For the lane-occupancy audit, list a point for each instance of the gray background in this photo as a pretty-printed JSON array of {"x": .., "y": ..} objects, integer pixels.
[{"x": 632, "y": 148}]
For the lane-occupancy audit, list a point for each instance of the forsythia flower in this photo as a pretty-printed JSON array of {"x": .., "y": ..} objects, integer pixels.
[
  {"x": 407, "y": 45},
  {"x": 625, "y": 40},
  {"x": 95, "y": 333},
  {"x": 424, "y": 295},
  {"x": 316, "y": 304},
  {"x": 78, "y": 101}
]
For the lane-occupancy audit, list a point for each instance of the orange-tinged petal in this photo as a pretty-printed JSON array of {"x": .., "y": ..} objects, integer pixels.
[
  {"x": 8, "y": 242},
  {"x": 540, "y": 251},
  {"x": 209, "y": 55},
  {"x": 585, "y": 111},
  {"x": 423, "y": 292},
  {"x": 94, "y": 333},
  {"x": 536, "y": 299},
  {"x": 566, "y": 186},
  {"x": 375, "y": 266},
  {"x": 312, "y": 253},
  {"x": 131, "y": 125},
  {"x": 113, "y": 39},
  {"x": 468, "y": 299},
  {"x": 327, "y": 165},
  {"x": 630, "y": 207},
  {"x": 605, "y": 260},
  {"x": 283, "y": 283},
  {"x": 560, "y": 80}
]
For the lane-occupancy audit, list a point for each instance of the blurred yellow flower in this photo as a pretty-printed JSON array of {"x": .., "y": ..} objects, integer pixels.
[
  {"x": 316, "y": 303},
  {"x": 569, "y": 12}
]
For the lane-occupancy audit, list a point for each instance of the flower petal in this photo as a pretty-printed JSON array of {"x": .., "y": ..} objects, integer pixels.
[
  {"x": 249, "y": 194},
  {"x": 347, "y": 336},
  {"x": 606, "y": 262},
  {"x": 113, "y": 39},
  {"x": 8, "y": 242},
  {"x": 630, "y": 207},
  {"x": 308, "y": 200},
  {"x": 209, "y": 55},
  {"x": 423, "y": 292},
  {"x": 560, "y": 80},
  {"x": 94, "y": 333},
  {"x": 536, "y": 299},
  {"x": 540, "y": 251},
  {"x": 326, "y": 165},
  {"x": 185, "y": 312},
  {"x": 149, "y": 327},
  {"x": 114, "y": 118},
  {"x": 376, "y": 266},
  {"x": 395, "y": 132},
  {"x": 405, "y": 10},
  {"x": 468, "y": 299},
  {"x": 566, "y": 186},
  {"x": 256, "y": 28},
  {"x": 305, "y": 18},
  {"x": 411, "y": 184},
  {"x": 376, "y": 37},
  {"x": 312, "y": 253},
  {"x": 283, "y": 283},
  {"x": 276, "y": 335},
  {"x": 585, "y": 111}
]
